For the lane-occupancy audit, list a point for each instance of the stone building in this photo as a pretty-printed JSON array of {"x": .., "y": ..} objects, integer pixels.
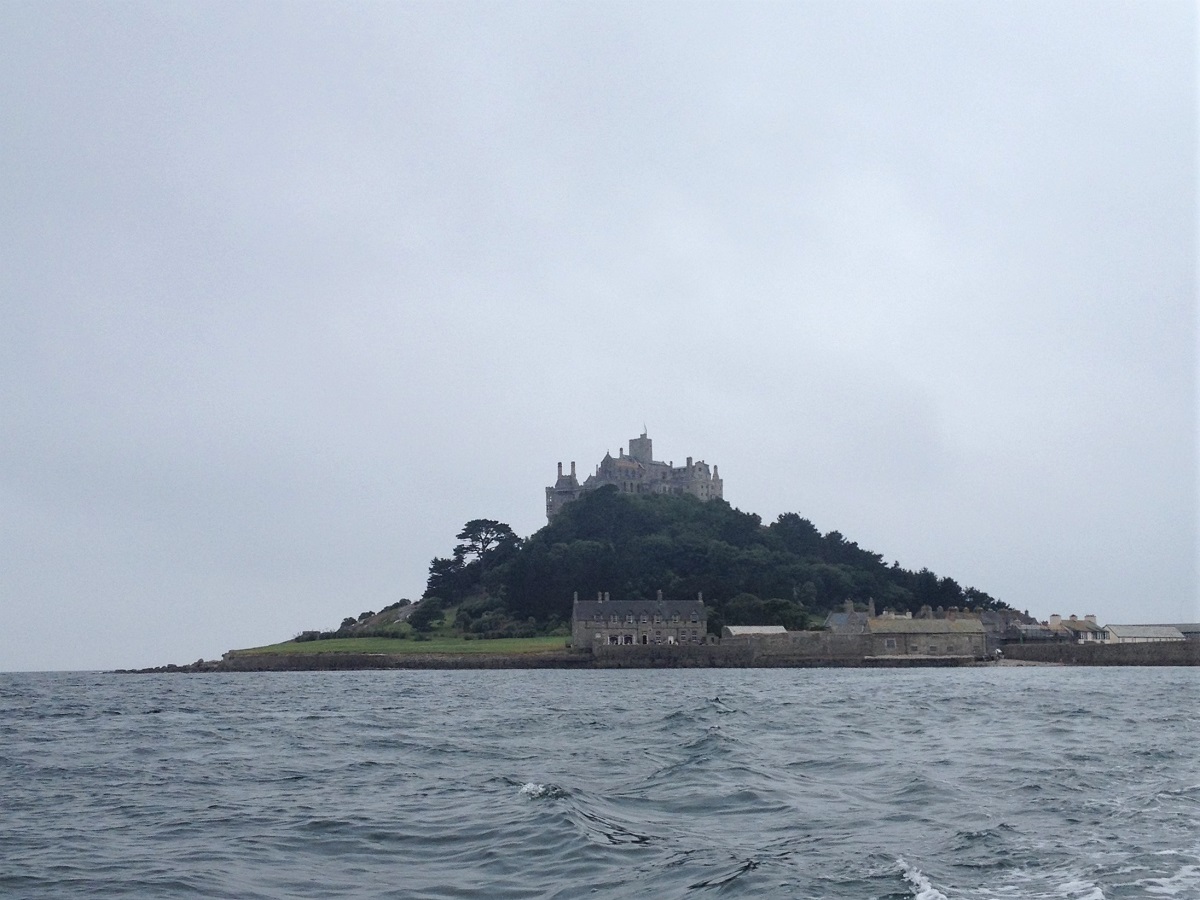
[
  {"x": 605, "y": 622},
  {"x": 636, "y": 473},
  {"x": 903, "y": 636},
  {"x": 937, "y": 633}
]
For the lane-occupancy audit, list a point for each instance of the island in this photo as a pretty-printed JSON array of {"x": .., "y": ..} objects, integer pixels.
[{"x": 646, "y": 565}]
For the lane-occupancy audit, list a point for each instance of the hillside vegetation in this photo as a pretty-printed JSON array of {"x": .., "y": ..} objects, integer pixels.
[{"x": 785, "y": 573}]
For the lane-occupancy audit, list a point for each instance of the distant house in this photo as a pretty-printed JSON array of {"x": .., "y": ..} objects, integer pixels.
[
  {"x": 848, "y": 620},
  {"x": 607, "y": 622},
  {"x": 1142, "y": 634},
  {"x": 1190, "y": 630},
  {"x": 1075, "y": 629}
]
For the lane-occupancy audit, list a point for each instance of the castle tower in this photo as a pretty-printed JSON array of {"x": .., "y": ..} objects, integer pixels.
[{"x": 642, "y": 449}]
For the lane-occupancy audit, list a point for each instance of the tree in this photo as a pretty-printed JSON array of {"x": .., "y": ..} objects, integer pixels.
[
  {"x": 482, "y": 537},
  {"x": 427, "y": 613},
  {"x": 445, "y": 578}
]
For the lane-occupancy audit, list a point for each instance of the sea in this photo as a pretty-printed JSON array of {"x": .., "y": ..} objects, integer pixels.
[{"x": 995, "y": 783}]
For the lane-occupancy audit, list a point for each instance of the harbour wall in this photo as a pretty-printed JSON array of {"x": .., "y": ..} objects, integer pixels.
[{"x": 1156, "y": 653}]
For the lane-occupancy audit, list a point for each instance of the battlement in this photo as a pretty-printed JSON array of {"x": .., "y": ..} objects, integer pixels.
[{"x": 636, "y": 473}]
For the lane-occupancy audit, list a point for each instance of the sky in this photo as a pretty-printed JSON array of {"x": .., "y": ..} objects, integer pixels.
[{"x": 290, "y": 292}]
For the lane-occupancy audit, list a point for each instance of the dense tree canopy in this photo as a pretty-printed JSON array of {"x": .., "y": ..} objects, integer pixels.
[{"x": 785, "y": 573}]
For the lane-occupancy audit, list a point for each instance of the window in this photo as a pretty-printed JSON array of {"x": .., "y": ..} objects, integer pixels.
[
  {"x": 889, "y": 643},
  {"x": 629, "y": 619}
]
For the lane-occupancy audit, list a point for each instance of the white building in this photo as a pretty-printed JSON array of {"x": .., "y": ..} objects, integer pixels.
[{"x": 1141, "y": 634}]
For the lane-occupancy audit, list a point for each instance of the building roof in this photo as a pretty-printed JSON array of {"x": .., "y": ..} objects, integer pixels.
[
  {"x": 743, "y": 630},
  {"x": 1148, "y": 632},
  {"x": 846, "y": 622},
  {"x": 884, "y": 625},
  {"x": 603, "y": 609},
  {"x": 1075, "y": 625}
]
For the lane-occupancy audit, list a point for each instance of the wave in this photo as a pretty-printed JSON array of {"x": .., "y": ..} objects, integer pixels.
[
  {"x": 923, "y": 889},
  {"x": 543, "y": 791}
]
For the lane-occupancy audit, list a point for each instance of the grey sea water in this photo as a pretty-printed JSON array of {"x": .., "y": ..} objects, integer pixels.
[{"x": 997, "y": 783}]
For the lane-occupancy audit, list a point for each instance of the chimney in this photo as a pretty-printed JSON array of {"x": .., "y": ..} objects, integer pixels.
[
  {"x": 575, "y": 597},
  {"x": 560, "y": 470},
  {"x": 700, "y": 597},
  {"x": 606, "y": 595},
  {"x": 689, "y": 462},
  {"x": 849, "y": 606},
  {"x": 659, "y": 595},
  {"x": 1090, "y": 618},
  {"x": 599, "y": 597},
  {"x": 871, "y": 607},
  {"x": 572, "y": 468},
  {"x": 1055, "y": 620}
]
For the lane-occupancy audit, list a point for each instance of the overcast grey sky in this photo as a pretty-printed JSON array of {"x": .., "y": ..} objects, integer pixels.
[{"x": 288, "y": 292}]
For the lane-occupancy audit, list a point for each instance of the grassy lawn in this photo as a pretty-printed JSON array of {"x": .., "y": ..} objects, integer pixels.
[{"x": 436, "y": 644}]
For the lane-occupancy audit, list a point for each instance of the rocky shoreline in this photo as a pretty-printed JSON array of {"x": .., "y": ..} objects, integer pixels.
[
  {"x": 341, "y": 662},
  {"x": 676, "y": 657}
]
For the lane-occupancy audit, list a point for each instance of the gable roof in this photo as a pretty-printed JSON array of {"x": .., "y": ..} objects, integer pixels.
[
  {"x": 846, "y": 622},
  {"x": 924, "y": 626},
  {"x": 1148, "y": 632},
  {"x": 741, "y": 630}
]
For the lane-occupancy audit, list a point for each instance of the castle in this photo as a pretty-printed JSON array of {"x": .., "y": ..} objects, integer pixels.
[{"x": 636, "y": 473}]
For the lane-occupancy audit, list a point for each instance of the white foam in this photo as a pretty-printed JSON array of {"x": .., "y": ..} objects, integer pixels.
[
  {"x": 922, "y": 888},
  {"x": 542, "y": 791},
  {"x": 1184, "y": 883},
  {"x": 1081, "y": 890}
]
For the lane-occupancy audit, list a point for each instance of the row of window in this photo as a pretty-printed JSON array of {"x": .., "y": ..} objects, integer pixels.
[
  {"x": 628, "y": 639},
  {"x": 645, "y": 619}
]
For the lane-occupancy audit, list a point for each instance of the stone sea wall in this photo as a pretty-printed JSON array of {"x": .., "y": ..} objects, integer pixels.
[{"x": 1157, "y": 653}]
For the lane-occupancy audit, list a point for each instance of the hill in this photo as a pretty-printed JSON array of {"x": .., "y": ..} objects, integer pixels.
[{"x": 785, "y": 573}]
